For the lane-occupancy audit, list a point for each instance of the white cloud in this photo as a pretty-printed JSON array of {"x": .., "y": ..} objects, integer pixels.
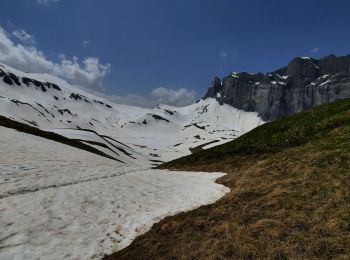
[
  {"x": 44, "y": 2},
  {"x": 314, "y": 50},
  {"x": 23, "y": 36},
  {"x": 89, "y": 73},
  {"x": 179, "y": 98},
  {"x": 223, "y": 54}
]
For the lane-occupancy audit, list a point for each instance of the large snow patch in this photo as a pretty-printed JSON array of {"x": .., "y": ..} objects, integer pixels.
[{"x": 58, "y": 202}]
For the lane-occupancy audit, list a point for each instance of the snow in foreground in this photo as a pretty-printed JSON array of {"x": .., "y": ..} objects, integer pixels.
[{"x": 58, "y": 202}]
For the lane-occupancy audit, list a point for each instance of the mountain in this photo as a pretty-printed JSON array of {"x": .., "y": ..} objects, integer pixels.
[
  {"x": 289, "y": 179},
  {"x": 290, "y": 185},
  {"x": 52, "y": 108},
  {"x": 303, "y": 84}
]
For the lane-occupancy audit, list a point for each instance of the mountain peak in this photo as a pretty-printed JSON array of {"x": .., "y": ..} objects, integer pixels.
[{"x": 304, "y": 83}]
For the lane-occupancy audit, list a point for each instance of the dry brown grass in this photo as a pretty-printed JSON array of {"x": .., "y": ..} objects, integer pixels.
[
  {"x": 279, "y": 208},
  {"x": 292, "y": 203}
]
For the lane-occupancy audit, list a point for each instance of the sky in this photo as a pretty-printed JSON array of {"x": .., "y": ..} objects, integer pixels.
[{"x": 143, "y": 52}]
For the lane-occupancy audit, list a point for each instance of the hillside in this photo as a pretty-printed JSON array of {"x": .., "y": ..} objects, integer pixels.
[
  {"x": 290, "y": 184},
  {"x": 129, "y": 134},
  {"x": 59, "y": 202}
]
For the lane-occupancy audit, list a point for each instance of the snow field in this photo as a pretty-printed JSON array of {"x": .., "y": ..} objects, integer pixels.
[{"x": 58, "y": 202}]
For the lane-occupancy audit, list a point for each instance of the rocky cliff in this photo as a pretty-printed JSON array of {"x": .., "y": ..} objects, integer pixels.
[{"x": 304, "y": 83}]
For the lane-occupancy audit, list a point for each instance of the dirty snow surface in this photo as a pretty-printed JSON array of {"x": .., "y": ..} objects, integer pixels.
[{"x": 58, "y": 202}]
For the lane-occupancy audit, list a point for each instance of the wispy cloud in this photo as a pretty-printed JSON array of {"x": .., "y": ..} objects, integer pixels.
[
  {"x": 23, "y": 36},
  {"x": 173, "y": 97},
  {"x": 227, "y": 55},
  {"x": 314, "y": 50},
  {"x": 45, "y": 2},
  {"x": 223, "y": 54},
  {"x": 88, "y": 72}
]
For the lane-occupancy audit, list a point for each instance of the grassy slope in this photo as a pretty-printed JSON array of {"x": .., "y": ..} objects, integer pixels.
[{"x": 290, "y": 195}]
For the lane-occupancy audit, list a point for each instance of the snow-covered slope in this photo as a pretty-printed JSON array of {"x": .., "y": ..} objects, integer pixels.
[
  {"x": 130, "y": 134},
  {"x": 59, "y": 202}
]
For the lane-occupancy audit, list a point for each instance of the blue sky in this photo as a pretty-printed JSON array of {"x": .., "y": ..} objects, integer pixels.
[{"x": 143, "y": 45}]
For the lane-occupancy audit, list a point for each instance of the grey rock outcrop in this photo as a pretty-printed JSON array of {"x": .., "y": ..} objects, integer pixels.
[{"x": 304, "y": 83}]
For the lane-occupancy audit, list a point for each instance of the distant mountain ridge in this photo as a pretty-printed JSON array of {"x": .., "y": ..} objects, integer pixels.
[
  {"x": 304, "y": 83},
  {"x": 128, "y": 134}
]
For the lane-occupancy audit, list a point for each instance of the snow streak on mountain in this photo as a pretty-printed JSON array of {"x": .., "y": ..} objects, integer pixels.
[{"x": 128, "y": 134}]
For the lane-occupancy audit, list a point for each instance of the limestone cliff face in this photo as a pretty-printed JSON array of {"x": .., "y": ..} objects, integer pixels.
[{"x": 304, "y": 83}]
